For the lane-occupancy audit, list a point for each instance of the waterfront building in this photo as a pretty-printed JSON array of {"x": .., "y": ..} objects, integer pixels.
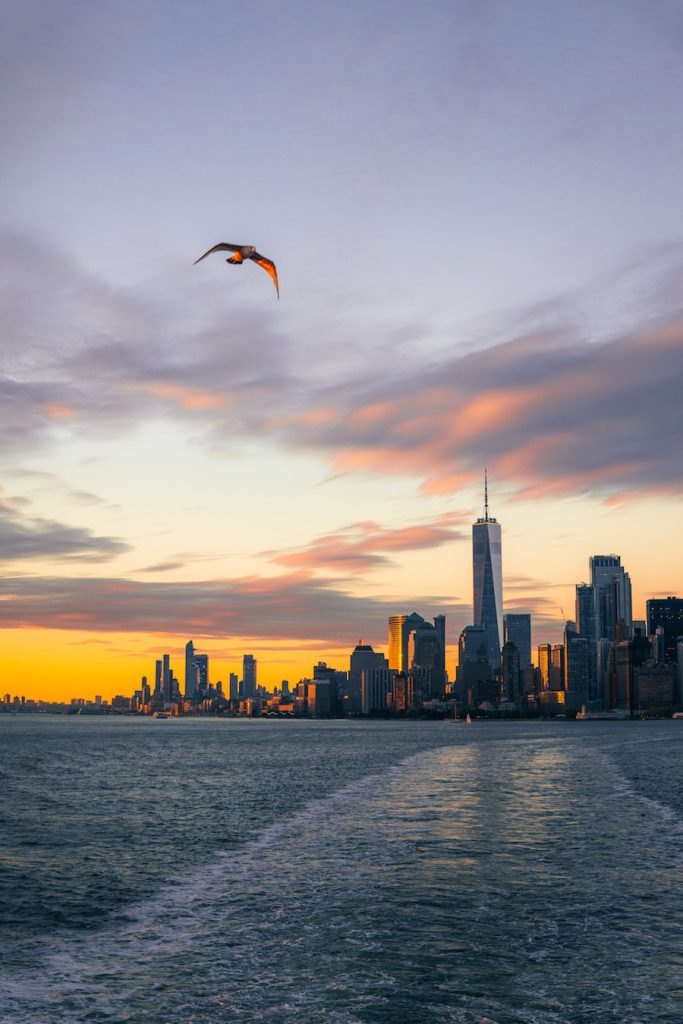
[
  {"x": 577, "y": 668},
  {"x": 426, "y": 654},
  {"x": 376, "y": 687},
  {"x": 248, "y": 676},
  {"x": 628, "y": 655},
  {"x": 191, "y": 674},
  {"x": 202, "y": 662},
  {"x": 472, "y": 645},
  {"x": 363, "y": 658},
  {"x": 587, "y": 628},
  {"x": 545, "y": 664},
  {"x": 473, "y": 666},
  {"x": 321, "y": 703},
  {"x": 487, "y": 578},
  {"x": 405, "y": 696},
  {"x": 667, "y": 614},
  {"x": 400, "y": 628},
  {"x": 557, "y": 667},
  {"x": 612, "y": 595},
  {"x": 655, "y": 686},
  {"x": 517, "y": 630},
  {"x": 510, "y": 672}
]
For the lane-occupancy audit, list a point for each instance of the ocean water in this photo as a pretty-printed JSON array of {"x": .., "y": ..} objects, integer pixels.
[{"x": 161, "y": 871}]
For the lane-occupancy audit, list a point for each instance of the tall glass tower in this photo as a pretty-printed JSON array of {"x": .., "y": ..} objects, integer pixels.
[{"x": 487, "y": 571}]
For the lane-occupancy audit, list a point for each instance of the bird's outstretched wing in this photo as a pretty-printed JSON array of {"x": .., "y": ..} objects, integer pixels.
[
  {"x": 221, "y": 247},
  {"x": 269, "y": 268}
]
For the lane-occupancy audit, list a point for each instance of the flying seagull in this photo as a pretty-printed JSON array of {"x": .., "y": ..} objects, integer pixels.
[{"x": 246, "y": 252}]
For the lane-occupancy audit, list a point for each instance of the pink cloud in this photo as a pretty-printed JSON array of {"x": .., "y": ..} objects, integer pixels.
[{"x": 366, "y": 545}]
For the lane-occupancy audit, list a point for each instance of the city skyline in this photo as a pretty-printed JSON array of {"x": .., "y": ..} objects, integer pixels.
[{"x": 183, "y": 456}]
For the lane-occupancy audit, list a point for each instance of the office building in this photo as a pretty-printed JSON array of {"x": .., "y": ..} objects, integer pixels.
[
  {"x": 363, "y": 658},
  {"x": 510, "y": 672},
  {"x": 400, "y": 627},
  {"x": 376, "y": 686},
  {"x": 612, "y": 585},
  {"x": 202, "y": 662},
  {"x": 191, "y": 674},
  {"x": 545, "y": 664},
  {"x": 487, "y": 578},
  {"x": 248, "y": 676},
  {"x": 667, "y": 614},
  {"x": 517, "y": 631}
]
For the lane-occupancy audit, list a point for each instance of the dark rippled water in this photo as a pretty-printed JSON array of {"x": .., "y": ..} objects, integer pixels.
[{"x": 161, "y": 872}]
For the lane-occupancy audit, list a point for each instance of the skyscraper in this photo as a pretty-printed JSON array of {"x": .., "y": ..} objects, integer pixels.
[
  {"x": 666, "y": 613},
  {"x": 248, "y": 676},
  {"x": 202, "y": 661},
  {"x": 400, "y": 628},
  {"x": 612, "y": 585},
  {"x": 587, "y": 629},
  {"x": 363, "y": 658},
  {"x": 487, "y": 573},
  {"x": 191, "y": 678},
  {"x": 517, "y": 630}
]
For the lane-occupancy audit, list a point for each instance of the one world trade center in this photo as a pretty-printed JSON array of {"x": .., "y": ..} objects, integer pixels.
[{"x": 487, "y": 566}]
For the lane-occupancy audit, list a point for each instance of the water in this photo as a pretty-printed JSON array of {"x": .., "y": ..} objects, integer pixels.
[{"x": 203, "y": 872}]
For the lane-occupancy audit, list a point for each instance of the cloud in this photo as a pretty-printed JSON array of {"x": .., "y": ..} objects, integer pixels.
[
  {"x": 291, "y": 607},
  {"x": 363, "y": 546},
  {"x": 163, "y": 566},
  {"x": 24, "y": 537},
  {"x": 549, "y": 415},
  {"x": 552, "y": 411}
]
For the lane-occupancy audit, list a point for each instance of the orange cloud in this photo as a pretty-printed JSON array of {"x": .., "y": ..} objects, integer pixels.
[{"x": 57, "y": 411}]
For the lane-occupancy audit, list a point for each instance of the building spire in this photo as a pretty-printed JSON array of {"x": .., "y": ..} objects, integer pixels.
[{"x": 486, "y": 493}]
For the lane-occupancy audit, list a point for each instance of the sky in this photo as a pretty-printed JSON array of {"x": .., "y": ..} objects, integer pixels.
[{"x": 474, "y": 208}]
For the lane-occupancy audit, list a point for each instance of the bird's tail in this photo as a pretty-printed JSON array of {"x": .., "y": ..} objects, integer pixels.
[{"x": 237, "y": 258}]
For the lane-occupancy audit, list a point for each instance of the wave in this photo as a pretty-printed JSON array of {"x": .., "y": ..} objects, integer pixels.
[{"x": 68, "y": 973}]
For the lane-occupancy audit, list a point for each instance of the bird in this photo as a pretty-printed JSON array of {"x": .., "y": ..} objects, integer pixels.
[{"x": 242, "y": 253}]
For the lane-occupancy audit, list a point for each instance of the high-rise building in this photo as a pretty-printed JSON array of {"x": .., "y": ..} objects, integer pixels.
[
  {"x": 363, "y": 658},
  {"x": 612, "y": 585},
  {"x": 233, "y": 686},
  {"x": 517, "y": 631},
  {"x": 426, "y": 653},
  {"x": 510, "y": 672},
  {"x": 557, "y": 667},
  {"x": 487, "y": 574},
  {"x": 628, "y": 655},
  {"x": 545, "y": 660},
  {"x": 577, "y": 654},
  {"x": 202, "y": 661},
  {"x": 248, "y": 676},
  {"x": 587, "y": 629},
  {"x": 473, "y": 666},
  {"x": 191, "y": 674},
  {"x": 158, "y": 690},
  {"x": 400, "y": 628},
  {"x": 376, "y": 684},
  {"x": 666, "y": 613},
  {"x": 166, "y": 678},
  {"x": 472, "y": 644}
]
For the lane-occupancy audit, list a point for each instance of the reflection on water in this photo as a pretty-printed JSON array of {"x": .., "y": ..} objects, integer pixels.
[{"x": 507, "y": 873}]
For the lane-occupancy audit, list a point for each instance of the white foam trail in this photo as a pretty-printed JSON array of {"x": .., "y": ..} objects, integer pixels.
[
  {"x": 89, "y": 964},
  {"x": 625, "y": 787}
]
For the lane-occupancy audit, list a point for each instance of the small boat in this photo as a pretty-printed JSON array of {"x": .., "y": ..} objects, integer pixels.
[{"x": 160, "y": 714}]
